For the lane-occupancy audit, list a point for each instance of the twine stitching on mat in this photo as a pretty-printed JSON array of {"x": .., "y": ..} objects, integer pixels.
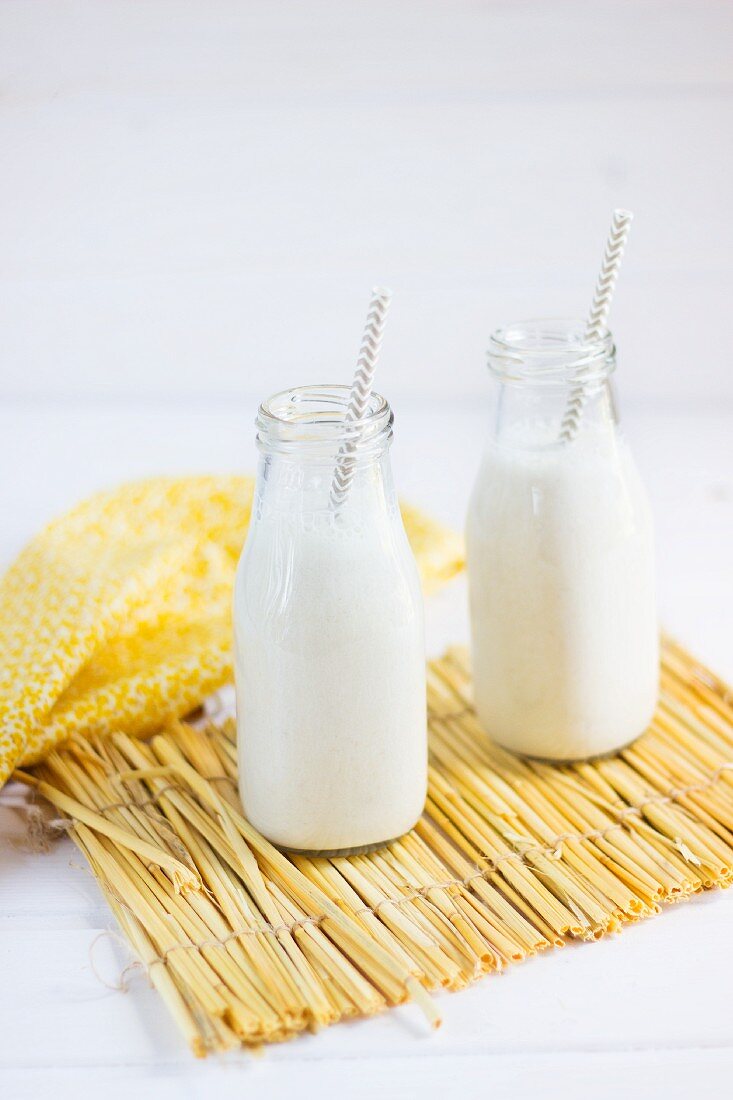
[
  {"x": 235, "y": 935},
  {"x": 634, "y": 810},
  {"x": 423, "y": 891},
  {"x": 121, "y": 985},
  {"x": 674, "y": 794}
]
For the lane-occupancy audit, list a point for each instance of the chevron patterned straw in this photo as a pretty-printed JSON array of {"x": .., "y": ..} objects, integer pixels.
[
  {"x": 599, "y": 313},
  {"x": 361, "y": 389}
]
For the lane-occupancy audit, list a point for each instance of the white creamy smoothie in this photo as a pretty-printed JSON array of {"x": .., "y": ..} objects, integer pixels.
[
  {"x": 561, "y": 580},
  {"x": 330, "y": 664}
]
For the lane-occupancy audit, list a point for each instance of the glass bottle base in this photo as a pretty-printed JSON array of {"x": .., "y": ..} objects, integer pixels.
[
  {"x": 558, "y": 760},
  {"x": 327, "y": 853}
]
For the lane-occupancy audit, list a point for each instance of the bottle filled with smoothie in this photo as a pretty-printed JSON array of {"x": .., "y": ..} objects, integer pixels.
[
  {"x": 329, "y": 635},
  {"x": 560, "y": 554}
]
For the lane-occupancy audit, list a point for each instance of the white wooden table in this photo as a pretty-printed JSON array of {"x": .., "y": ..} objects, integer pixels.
[{"x": 644, "y": 1014}]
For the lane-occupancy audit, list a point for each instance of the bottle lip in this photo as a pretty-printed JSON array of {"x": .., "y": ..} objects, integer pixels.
[
  {"x": 550, "y": 351},
  {"x": 313, "y": 419}
]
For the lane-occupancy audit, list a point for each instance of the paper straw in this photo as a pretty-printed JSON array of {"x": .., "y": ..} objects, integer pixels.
[
  {"x": 598, "y": 313},
  {"x": 361, "y": 389}
]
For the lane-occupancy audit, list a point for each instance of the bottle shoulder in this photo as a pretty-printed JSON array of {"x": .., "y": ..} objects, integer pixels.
[{"x": 309, "y": 573}]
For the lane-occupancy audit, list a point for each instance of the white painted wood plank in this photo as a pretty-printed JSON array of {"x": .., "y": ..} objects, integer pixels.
[
  {"x": 192, "y": 197},
  {"x": 217, "y": 337},
  {"x": 677, "y": 1075},
  {"x": 370, "y": 48},
  {"x": 40, "y": 890},
  {"x": 61, "y": 1014}
]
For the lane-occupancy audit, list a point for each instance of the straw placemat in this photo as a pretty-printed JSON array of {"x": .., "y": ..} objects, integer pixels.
[{"x": 510, "y": 858}]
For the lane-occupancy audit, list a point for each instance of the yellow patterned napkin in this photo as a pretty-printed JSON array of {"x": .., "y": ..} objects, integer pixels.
[{"x": 117, "y": 615}]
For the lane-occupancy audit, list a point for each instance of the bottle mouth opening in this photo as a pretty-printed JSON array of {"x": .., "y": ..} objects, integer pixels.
[
  {"x": 314, "y": 418},
  {"x": 550, "y": 351}
]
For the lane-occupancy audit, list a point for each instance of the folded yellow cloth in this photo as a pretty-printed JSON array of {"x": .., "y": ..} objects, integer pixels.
[{"x": 117, "y": 615}]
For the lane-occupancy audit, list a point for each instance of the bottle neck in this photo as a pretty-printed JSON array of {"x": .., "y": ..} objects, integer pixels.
[
  {"x": 525, "y": 415},
  {"x": 287, "y": 484},
  {"x": 540, "y": 370},
  {"x": 304, "y": 436}
]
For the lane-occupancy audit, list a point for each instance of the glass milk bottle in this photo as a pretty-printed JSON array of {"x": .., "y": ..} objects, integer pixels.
[
  {"x": 560, "y": 555},
  {"x": 329, "y": 636}
]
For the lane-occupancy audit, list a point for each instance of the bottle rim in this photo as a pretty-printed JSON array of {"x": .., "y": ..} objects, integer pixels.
[
  {"x": 550, "y": 351},
  {"x": 313, "y": 419}
]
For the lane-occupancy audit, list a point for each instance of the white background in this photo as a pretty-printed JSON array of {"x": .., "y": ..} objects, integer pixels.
[{"x": 195, "y": 198}]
